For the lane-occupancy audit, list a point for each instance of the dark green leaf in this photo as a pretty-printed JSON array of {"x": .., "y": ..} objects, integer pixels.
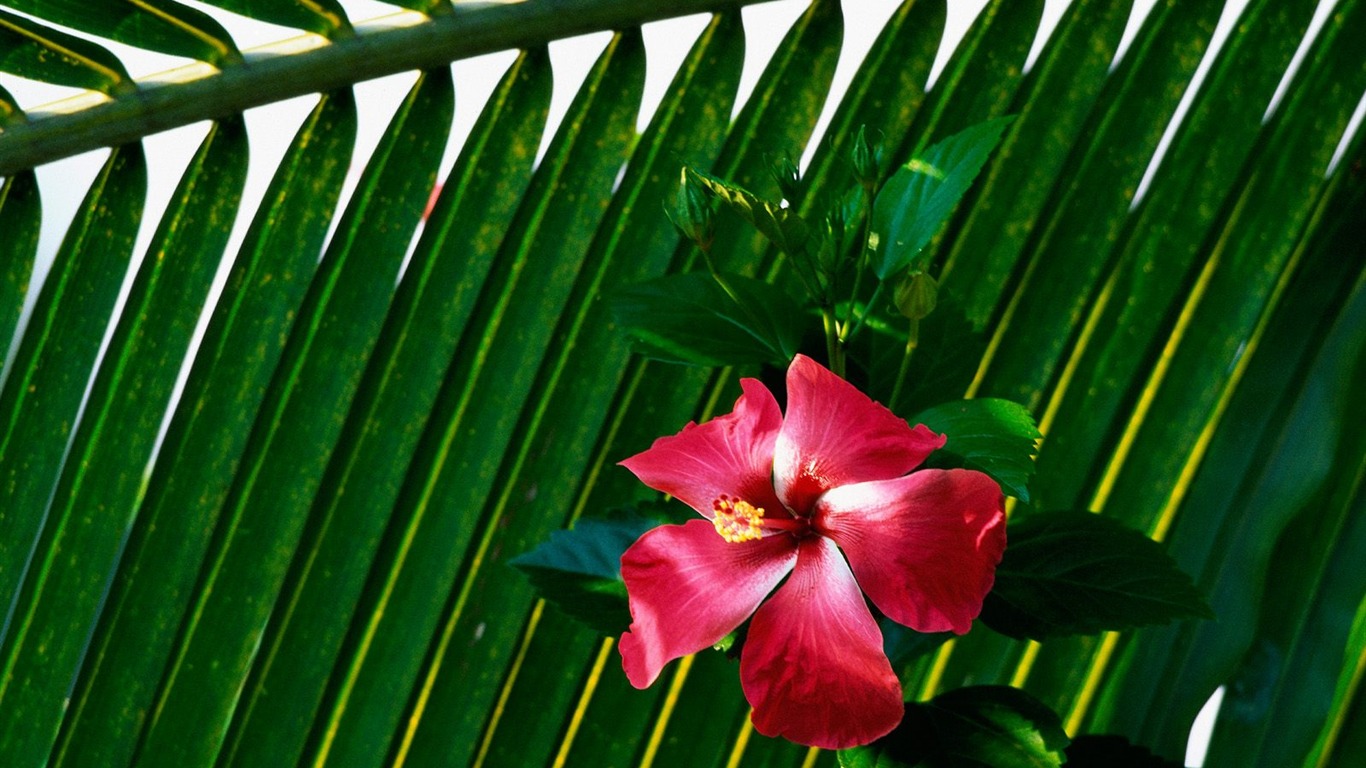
[
  {"x": 38, "y": 52},
  {"x": 1074, "y": 573},
  {"x": 579, "y": 570},
  {"x": 286, "y": 458},
  {"x": 431, "y": 311},
  {"x": 903, "y": 644},
  {"x": 919, "y": 197},
  {"x": 700, "y": 319},
  {"x": 1096, "y": 751},
  {"x": 975, "y": 727},
  {"x": 58, "y": 606},
  {"x": 159, "y": 25},
  {"x": 21, "y": 216},
  {"x": 47, "y": 378},
  {"x": 326, "y": 17},
  {"x": 990, "y": 435},
  {"x": 205, "y": 442},
  {"x": 9, "y": 110}
]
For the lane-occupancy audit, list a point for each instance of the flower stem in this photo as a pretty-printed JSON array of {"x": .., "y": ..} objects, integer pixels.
[
  {"x": 912, "y": 340},
  {"x": 833, "y": 347}
]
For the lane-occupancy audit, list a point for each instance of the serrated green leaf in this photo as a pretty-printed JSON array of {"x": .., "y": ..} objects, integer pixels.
[
  {"x": 701, "y": 319},
  {"x": 921, "y": 195},
  {"x": 1076, "y": 573},
  {"x": 579, "y": 570},
  {"x": 974, "y": 727},
  {"x": 990, "y": 435}
]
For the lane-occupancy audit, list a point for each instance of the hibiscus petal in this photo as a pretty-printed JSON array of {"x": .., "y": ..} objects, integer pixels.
[
  {"x": 924, "y": 547},
  {"x": 689, "y": 588},
  {"x": 730, "y": 455},
  {"x": 834, "y": 435},
  {"x": 813, "y": 666}
]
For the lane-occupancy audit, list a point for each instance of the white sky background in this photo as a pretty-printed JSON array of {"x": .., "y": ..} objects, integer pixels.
[{"x": 271, "y": 128}]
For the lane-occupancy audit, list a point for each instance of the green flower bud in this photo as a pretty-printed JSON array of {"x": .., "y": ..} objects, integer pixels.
[
  {"x": 916, "y": 295},
  {"x": 785, "y": 172},
  {"x": 867, "y": 160},
  {"x": 692, "y": 212}
]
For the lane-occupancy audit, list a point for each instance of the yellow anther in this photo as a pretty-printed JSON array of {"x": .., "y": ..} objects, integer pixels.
[{"x": 737, "y": 520}]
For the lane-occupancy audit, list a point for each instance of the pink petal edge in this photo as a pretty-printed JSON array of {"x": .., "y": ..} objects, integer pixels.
[
  {"x": 688, "y": 588},
  {"x": 730, "y": 454},
  {"x": 924, "y": 547},
  {"x": 813, "y": 666},
  {"x": 834, "y": 435}
]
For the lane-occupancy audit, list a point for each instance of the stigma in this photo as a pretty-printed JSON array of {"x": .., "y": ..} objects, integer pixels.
[{"x": 737, "y": 520}]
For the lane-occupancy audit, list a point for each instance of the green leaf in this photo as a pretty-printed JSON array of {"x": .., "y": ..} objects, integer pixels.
[
  {"x": 205, "y": 441},
  {"x": 159, "y": 25},
  {"x": 990, "y": 435},
  {"x": 701, "y": 319},
  {"x": 919, "y": 197},
  {"x": 107, "y": 460},
  {"x": 38, "y": 52},
  {"x": 1097, "y": 751},
  {"x": 974, "y": 727},
  {"x": 579, "y": 570},
  {"x": 431, "y": 312},
  {"x": 326, "y": 17},
  {"x": 21, "y": 216},
  {"x": 1073, "y": 573},
  {"x": 295, "y": 434},
  {"x": 47, "y": 378},
  {"x": 903, "y": 644}
]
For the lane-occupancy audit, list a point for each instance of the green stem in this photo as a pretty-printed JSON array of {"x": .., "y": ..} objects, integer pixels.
[
  {"x": 862, "y": 265},
  {"x": 872, "y": 302},
  {"x": 833, "y": 347},
  {"x": 912, "y": 340}
]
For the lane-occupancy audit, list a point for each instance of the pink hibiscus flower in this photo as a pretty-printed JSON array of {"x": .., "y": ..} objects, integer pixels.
[{"x": 822, "y": 499}]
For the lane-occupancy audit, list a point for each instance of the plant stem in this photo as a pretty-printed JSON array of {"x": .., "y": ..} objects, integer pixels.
[
  {"x": 912, "y": 340},
  {"x": 833, "y": 347}
]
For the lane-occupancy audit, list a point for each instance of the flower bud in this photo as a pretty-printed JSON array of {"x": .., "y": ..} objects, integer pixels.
[
  {"x": 867, "y": 160},
  {"x": 692, "y": 212},
  {"x": 916, "y": 295},
  {"x": 785, "y": 172}
]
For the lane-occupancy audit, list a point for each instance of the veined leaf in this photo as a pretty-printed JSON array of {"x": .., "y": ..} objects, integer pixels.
[
  {"x": 994, "y": 436},
  {"x": 1070, "y": 573},
  {"x": 705, "y": 319},
  {"x": 579, "y": 570},
  {"x": 922, "y": 194},
  {"x": 993, "y": 726}
]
